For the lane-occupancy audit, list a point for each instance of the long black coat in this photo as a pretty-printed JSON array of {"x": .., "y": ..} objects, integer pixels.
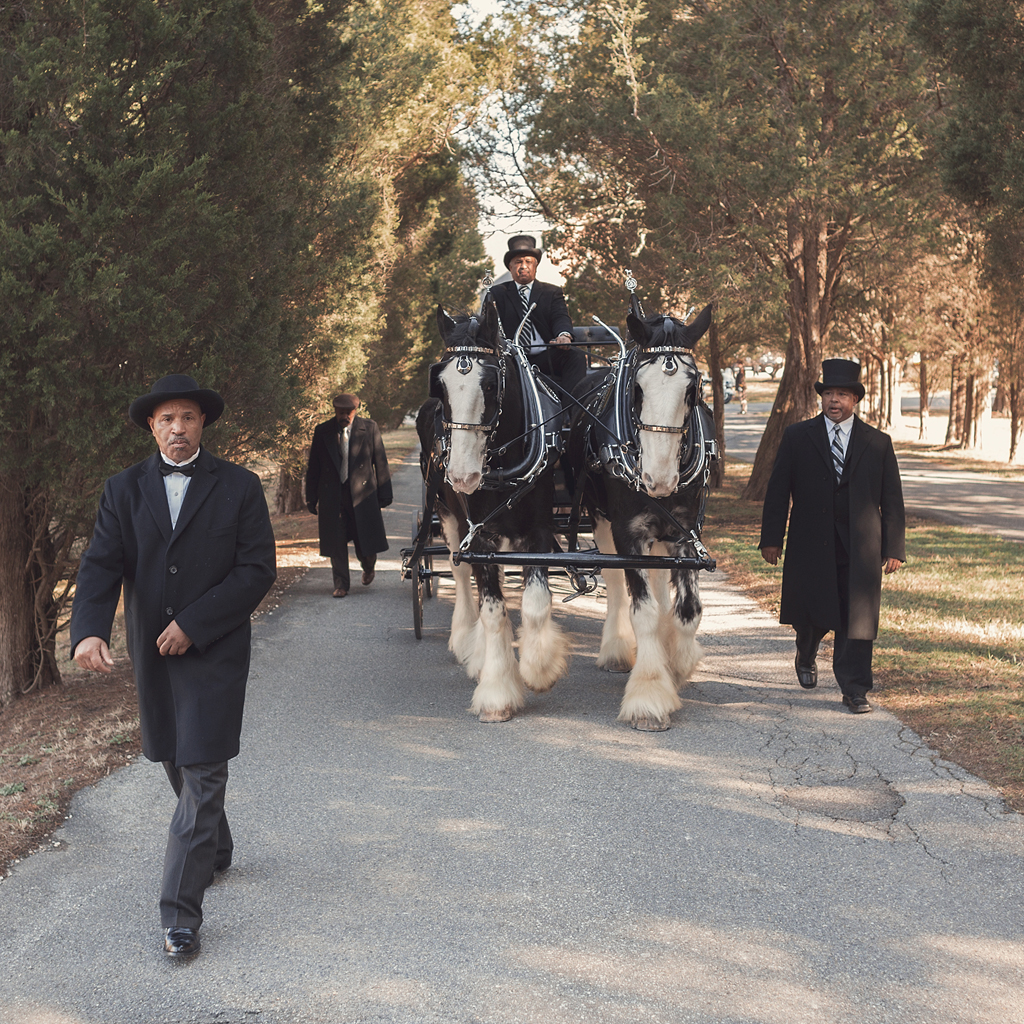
[
  {"x": 369, "y": 482},
  {"x": 804, "y": 472},
  {"x": 208, "y": 574},
  {"x": 550, "y": 318}
]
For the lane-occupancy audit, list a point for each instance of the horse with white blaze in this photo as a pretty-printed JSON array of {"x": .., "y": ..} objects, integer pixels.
[{"x": 490, "y": 438}]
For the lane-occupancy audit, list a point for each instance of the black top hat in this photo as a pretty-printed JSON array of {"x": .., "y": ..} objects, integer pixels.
[
  {"x": 166, "y": 389},
  {"x": 840, "y": 373},
  {"x": 521, "y": 245}
]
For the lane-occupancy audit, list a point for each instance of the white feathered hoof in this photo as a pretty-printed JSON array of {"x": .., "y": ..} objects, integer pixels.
[
  {"x": 617, "y": 655},
  {"x": 496, "y": 715},
  {"x": 646, "y": 724}
]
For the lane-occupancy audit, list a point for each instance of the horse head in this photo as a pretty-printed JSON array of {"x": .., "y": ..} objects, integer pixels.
[
  {"x": 469, "y": 381},
  {"x": 666, "y": 389}
]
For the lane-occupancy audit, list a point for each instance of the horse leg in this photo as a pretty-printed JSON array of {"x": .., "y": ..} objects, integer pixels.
[
  {"x": 464, "y": 640},
  {"x": 618, "y": 645},
  {"x": 650, "y": 696},
  {"x": 499, "y": 690},
  {"x": 684, "y": 651},
  {"x": 543, "y": 647}
]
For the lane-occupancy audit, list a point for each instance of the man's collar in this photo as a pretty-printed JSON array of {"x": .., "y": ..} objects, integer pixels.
[{"x": 171, "y": 462}]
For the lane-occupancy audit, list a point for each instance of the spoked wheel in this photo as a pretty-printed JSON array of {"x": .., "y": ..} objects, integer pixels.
[
  {"x": 428, "y": 581},
  {"x": 417, "y": 601}
]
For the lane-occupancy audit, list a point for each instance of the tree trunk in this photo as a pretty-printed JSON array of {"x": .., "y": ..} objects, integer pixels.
[
  {"x": 812, "y": 283},
  {"x": 1015, "y": 418},
  {"x": 967, "y": 429},
  {"x": 289, "y": 491},
  {"x": 17, "y": 597},
  {"x": 922, "y": 406},
  {"x": 717, "y": 476},
  {"x": 955, "y": 406}
]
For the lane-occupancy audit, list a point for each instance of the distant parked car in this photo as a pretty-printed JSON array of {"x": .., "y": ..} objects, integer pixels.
[{"x": 769, "y": 363}]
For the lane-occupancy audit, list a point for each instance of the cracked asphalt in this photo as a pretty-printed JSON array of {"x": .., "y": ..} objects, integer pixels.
[{"x": 771, "y": 859}]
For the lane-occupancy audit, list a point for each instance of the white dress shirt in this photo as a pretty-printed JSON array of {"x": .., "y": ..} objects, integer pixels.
[{"x": 176, "y": 484}]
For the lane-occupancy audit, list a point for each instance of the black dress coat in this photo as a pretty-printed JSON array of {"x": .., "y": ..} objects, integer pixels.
[
  {"x": 208, "y": 574},
  {"x": 550, "y": 318},
  {"x": 369, "y": 483},
  {"x": 876, "y": 524}
]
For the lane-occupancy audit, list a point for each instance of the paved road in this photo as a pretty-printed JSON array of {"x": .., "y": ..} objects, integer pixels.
[
  {"x": 982, "y": 501},
  {"x": 770, "y": 859}
]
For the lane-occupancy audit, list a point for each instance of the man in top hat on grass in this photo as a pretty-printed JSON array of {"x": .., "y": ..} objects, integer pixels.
[
  {"x": 348, "y": 482},
  {"x": 548, "y": 332},
  {"x": 846, "y": 526},
  {"x": 189, "y": 538}
]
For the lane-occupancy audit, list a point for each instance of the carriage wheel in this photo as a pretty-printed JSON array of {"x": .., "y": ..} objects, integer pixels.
[
  {"x": 428, "y": 581},
  {"x": 417, "y": 601}
]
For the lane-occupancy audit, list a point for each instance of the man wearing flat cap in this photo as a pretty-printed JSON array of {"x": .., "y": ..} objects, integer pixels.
[
  {"x": 846, "y": 526},
  {"x": 548, "y": 331},
  {"x": 347, "y": 484},
  {"x": 188, "y": 536}
]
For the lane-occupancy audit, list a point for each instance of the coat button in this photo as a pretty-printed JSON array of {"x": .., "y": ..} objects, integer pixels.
[
  {"x": 169, "y": 611},
  {"x": 173, "y": 569}
]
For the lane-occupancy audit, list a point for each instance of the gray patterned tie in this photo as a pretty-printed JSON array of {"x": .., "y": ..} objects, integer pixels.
[
  {"x": 529, "y": 335},
  {"x": 343, "y": 445},
  {"x": 837, "y": 452}
]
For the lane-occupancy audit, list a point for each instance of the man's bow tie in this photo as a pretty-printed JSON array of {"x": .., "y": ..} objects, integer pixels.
[{"x": 166, "y": 468}]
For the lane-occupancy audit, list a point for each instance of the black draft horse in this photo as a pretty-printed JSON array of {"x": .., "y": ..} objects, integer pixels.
[
  {"x": 641, "y": 459},
  {"x": 484, "y": 431}
]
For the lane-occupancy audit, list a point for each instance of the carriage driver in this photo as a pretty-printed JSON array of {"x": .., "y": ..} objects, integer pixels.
[{"x": 548, "y": 332}]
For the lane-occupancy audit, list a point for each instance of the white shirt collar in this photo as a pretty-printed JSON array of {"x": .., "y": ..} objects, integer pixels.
[
  {"x": 185, "y": 463},
  {"x": 845, "y": 426}
]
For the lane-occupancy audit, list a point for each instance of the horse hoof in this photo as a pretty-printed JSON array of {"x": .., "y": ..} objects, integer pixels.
[
  {"x": 496, "y": 715},
  {"x": 652, "y": 724}
]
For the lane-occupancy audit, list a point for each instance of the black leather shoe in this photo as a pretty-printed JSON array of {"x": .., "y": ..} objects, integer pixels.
[
  {"x": 858, "y": 705},
  {"x": 181, "y": 943},
  {"x": 807, "y": 675}
]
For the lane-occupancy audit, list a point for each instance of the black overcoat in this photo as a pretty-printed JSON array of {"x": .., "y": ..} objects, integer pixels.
[
  {"x": 208, "y": 574},
  {"x": 369, "y": 482},
  {"x": 804, "y": 473},
  {"x": 550, "y": 318}
]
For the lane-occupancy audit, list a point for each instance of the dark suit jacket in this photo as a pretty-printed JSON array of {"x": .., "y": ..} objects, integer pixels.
[
  {"x": 876, "y": 527},
  {"x": 550, "y": 318},
  {"x": 208, "y": 574},
  {"x": 369, "y": 483}
]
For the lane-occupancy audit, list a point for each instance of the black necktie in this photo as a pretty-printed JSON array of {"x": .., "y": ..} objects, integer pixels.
[
  {"x": 529, "y": 335},
  {"x": 167, "y": 469}
]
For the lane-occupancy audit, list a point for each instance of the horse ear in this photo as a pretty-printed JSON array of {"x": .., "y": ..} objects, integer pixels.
[
  {"x": 696, "y": 330},
  {"x": 444, "y": 323},
  {"x": 491, "y": 325},
  {"x": 637, "y": 329}
]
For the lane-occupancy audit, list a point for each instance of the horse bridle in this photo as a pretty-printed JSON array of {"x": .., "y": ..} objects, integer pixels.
[
  {"x": 463, "y": 365},
  {"x": 648, "y": 355}
]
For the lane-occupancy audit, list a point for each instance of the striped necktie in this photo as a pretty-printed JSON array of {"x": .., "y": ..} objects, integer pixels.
[
  {"x": 838, "y": 457},
  {"x": 529, "y": 335},
  {"x": 343, "y": 445}
]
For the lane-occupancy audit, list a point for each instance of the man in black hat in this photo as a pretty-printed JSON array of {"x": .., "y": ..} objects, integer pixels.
[
  {"x": 847, "y": 524},
  {"x": 189, "y": 538},
  {"x": 548, "y": 333},
  {"x": 348, "y": 482}
]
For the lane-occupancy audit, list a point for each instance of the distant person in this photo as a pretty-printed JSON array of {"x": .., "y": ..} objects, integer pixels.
[
  {"x": 740, "y": 383},
  {"x": 847, "y": 525},
  {"x": 189, "y": 538},
  {"x": 547, "y": 335},
  {"x": 347, "y": 484}
]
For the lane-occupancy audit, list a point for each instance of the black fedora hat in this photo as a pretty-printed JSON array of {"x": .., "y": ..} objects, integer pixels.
[
  {"x": 840, "y": 373},
  {"x": 166, "y": 389},
  {"x": 521, "y": 245}
]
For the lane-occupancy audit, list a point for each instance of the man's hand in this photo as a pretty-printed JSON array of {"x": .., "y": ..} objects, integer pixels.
[
  {"x": 771, "y": 555},
  {"x": 173, "y": 640},
  {"x": 94, "y": 655},
  {"x": 563, "y": 339},
  {"x": 892, "y": 565}
]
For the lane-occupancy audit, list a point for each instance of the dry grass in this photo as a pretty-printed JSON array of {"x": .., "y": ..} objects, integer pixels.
[{"x": 949, "y": 660}]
